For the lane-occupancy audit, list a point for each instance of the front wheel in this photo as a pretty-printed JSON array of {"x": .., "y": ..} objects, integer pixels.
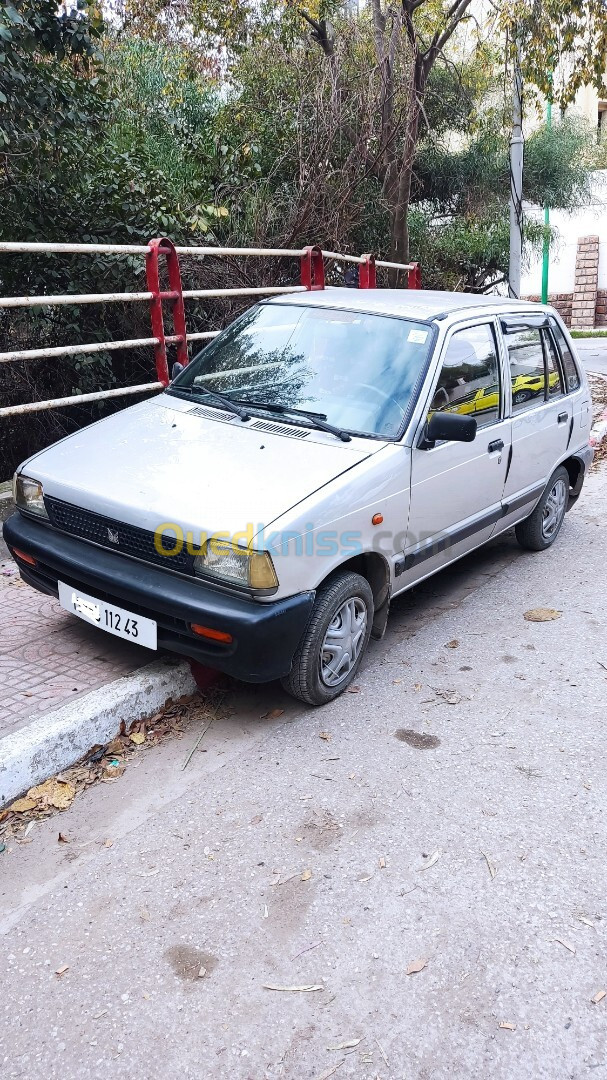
[
  {"x": 332, "y": 647},
  {"x": 541, "y": 529}
]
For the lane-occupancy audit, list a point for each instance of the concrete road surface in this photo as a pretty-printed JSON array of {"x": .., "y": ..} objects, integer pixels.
[{"x": 408, "y": 883}]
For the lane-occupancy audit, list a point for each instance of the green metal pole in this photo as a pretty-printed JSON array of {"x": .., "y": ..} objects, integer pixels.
[{"x": 546, "y": 256}]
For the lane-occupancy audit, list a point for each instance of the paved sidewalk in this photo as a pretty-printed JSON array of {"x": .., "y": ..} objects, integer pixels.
[{"x": 47, "y": 657}]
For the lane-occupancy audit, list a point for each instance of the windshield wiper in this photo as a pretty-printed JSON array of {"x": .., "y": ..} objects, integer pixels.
[
  {"x": 221, "y": 399},
  {"x": 318, "y": 420}
]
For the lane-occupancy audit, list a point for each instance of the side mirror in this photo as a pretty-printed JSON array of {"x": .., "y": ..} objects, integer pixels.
[
  {"x": 450, "y": 427},
  {"x": 176, "y": 370}
]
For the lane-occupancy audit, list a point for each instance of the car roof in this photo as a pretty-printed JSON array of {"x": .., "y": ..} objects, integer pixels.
[{"x": 422, "y": 304}]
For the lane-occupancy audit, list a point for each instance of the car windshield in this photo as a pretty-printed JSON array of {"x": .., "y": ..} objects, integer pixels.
[{"x": 356, "y": 371}]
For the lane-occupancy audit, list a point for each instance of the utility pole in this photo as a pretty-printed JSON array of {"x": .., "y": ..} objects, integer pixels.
[
  {"x": 546, "y": 254},
  {"x": 516, "y": 180}
]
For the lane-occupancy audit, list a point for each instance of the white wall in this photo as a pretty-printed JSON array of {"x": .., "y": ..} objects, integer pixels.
[{"x": 587, "y": 221}]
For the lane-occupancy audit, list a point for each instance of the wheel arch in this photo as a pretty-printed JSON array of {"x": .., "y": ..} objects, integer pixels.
[{"x": 375, "y": 568}]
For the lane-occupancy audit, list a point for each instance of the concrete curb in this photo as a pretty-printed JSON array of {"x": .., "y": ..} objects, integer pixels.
[
  {"x": 599, "y": 430},
  {"x": 56, "y": 740}
]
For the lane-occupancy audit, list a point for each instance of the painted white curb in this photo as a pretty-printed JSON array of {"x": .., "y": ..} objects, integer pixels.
[
  {"x": 599, "y": 430},
  {"x": 56, "y": 740}
]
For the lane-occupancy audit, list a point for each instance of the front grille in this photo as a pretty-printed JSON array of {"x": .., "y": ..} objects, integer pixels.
[{"x": 116, "y": 535}]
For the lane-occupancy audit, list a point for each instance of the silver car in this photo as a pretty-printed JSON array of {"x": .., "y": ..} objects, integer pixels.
[{"x": 326, "y": 452}]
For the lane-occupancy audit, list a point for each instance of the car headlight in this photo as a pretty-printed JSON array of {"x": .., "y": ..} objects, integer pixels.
[
  {"x": 240, "y": 566},
  {"x": 29, "y": 495}
]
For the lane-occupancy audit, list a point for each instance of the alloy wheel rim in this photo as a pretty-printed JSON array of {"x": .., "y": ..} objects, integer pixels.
[
  {"x": 554, "y": 509},
  {"x": 343, "y": 641}
]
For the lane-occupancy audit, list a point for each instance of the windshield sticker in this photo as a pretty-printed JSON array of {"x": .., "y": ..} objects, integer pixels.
[{"x": 418, "y": 336}]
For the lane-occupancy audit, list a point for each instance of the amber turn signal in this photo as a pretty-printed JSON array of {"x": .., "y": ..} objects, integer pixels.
[
  {"x": 377, "y": 519},
  {"x": 23, "y": 557},
  {"x": 208, "y": 632}
]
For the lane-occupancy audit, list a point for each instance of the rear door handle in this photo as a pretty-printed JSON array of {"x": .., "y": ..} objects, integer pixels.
[
  {"x": 563, "y": 417},
  {"x": 497, "y": 444}
]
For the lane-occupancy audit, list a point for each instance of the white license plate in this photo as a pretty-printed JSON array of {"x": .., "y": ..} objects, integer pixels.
[{"x": 114, "y": 620}]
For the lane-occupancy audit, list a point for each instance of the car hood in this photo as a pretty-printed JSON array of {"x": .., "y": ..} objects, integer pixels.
[{"x": 168, "y": 461}]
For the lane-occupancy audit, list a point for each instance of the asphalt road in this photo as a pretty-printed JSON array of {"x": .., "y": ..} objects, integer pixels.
[
  {"x": 449, "y": 816},
  {"x": 593, "y": 353}
]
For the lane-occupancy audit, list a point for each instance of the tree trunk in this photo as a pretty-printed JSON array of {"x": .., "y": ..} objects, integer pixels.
[{"x": 399, "y": 228}]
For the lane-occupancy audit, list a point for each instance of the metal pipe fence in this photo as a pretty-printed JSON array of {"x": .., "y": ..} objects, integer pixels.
[{"x": 312, "y": 277}]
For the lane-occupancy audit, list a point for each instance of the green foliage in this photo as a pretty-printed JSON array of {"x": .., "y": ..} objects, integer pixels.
[{"x": 47, "y": 89}]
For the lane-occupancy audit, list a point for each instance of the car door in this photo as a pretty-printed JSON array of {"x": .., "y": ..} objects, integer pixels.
[
  {"x": 542, "y": 412},
  {"x": 456, "y": 487}
]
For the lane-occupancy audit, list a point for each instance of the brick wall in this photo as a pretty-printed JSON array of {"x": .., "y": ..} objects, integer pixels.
[
  {"x": 561, "y": 301},
  {"x": 600, "y": 317},
  {"x": 586, "y": 281}
]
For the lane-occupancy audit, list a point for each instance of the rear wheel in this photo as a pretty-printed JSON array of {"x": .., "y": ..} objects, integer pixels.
[
  {"x": 334, "y": 641},
  {"x": 541, "y": 529}
]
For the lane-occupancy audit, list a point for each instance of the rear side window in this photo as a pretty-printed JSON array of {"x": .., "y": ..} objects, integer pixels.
[
  {"x": 469, "y": 379},
  {"x": 526, "y": 356},
  {"x": 572, "y": 377},
  {"x": 555, "y": 382}
]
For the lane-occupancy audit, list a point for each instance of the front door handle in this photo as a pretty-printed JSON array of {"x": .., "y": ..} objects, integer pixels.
[
  {"x": 563, "y": 417},
  {"x": 497, "y": 444}
]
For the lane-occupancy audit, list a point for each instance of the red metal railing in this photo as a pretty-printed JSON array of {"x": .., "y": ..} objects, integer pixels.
[{"x": 312, "y": 277}]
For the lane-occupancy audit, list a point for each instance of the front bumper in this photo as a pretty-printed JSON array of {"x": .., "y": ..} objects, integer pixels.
[{"x": 265, "y": 635}]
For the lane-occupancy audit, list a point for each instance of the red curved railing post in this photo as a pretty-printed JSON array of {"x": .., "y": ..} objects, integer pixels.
[
  {"x": 312, "y": 268},
  {"x": 414, "y": 277},
  {"x": 367, "y": 274},
  {"x": 157, "y": 247}
]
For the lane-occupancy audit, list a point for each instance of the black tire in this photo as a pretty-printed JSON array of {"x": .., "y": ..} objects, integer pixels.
[
  {"x": 305, "y": 680},
  {"x": 522, "y": 395},
  {"x": 533, "y": 533}
]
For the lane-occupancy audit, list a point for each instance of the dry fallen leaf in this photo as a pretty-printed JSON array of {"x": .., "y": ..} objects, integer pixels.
[
  {"x": 382, "y": 863},
  {"x": 255, "y": 820},
  {"x": 306, "y": 875},
  {"x": 432, "y": 859},
  {"x": 63, "y": 839},
  {"x": 53, "y": 792},
  {"x": 565, "y": 944},
  {"x": 505, "y": 1026},
  {"x": 62, "y": 970},
  {"x": 108, "y": 843},
  {"x": 600, "y": 994},
  {"x": 345, "y": 1045},
  {"x": 415, "y": 966},
  {"x": 273, "y": 714},
  {"x": 324, "y": 735},
  {"x": 452, "y": 644},
  {"x": 542, "y": 614},
  {"x": 353, "y": 690},
  {"x": 137, "y": 737},
  {"x": 21, "y": 806},
  {"x": 294, "y": 989}
]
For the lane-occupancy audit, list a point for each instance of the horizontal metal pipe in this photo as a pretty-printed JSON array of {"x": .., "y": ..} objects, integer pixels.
[
  {"x": 76, "y": 350},
  {"x": 141, "y": 249},
  {"x": 201, "y": 252},
  {"x": 76, "y": 249},
  {"x": 394, "y": 266},
  {"x": 77, "y": 399},
  {"x": 194, "y": 294},
  {"x": 75, "y": 298},
  {"x": 342, "y": 258},
  {"x": 206, "y": 336}
]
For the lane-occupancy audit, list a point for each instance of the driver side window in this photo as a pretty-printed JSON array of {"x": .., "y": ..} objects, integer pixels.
[{"x": 469, "y": 381}]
